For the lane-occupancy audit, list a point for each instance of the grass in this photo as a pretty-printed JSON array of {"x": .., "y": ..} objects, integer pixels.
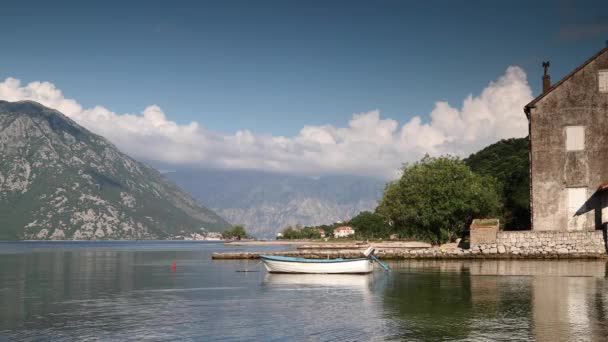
[{"x": 485, "y": 222}]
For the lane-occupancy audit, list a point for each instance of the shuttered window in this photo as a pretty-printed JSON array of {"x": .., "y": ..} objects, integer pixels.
[
  {"x": 576, "y": 200},
  {"x": 602, "y": 78},
  {"x": 575, "y": 138}
]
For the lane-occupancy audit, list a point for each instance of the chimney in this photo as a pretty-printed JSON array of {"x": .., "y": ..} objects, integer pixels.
[{"x": 546, "y": 77}]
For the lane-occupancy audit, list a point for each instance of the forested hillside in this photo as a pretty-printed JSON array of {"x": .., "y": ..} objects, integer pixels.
[{"x": 508, "y": 162}]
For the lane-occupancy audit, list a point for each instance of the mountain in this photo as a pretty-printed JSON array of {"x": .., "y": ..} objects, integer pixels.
[
  {"x": 60, "y": 181},
  {"x": 265, "y": 203},
  {"x": 508, "y": 161}
]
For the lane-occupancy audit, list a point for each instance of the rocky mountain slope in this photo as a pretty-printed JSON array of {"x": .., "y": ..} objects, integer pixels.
[
  {"x": 268, "y": 202},
  {"x": 60, "y": 181}
]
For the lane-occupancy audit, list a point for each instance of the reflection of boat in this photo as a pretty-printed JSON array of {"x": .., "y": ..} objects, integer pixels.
[
  {"x": 325, "y": 280},
  {"x": 282, "y": 264}
]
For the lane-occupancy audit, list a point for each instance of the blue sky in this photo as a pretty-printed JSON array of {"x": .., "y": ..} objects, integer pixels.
[
  {"x": 275, "y": 66},
  {"x": 273, "y": 85}
]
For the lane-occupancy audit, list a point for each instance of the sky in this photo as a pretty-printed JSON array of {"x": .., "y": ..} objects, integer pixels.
[{"x": 310, "y": 87}]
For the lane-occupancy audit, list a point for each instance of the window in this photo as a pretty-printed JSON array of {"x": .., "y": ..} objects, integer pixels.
[
  {"x": 576, "y": 200},
  {"x": 602, "y": 78},
  {"x": 575, "y": 138}
]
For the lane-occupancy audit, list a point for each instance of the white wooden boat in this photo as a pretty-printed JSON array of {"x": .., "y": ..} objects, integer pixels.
[{"x": 283, "y": 264}]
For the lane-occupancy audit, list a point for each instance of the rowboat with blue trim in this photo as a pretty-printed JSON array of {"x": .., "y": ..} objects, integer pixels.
[{"x": 284, "y": 264}]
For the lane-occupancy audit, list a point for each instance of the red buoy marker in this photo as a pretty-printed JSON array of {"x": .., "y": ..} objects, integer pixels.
[{"x": 174, "y": 266}]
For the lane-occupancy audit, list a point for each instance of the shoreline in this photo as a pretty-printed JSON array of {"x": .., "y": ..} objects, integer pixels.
[
  {"x": 436, "y": 253},
  {"x": 332, "y": 244},
  {"x": 270, "y": 242},
  {"x": 255, "y": 256}
]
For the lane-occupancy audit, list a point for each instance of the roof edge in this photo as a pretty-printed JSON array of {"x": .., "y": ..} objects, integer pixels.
[{"x": 564, "y": 79}]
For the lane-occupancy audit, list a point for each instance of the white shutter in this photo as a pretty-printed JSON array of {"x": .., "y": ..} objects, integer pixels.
[
  {"x": 576, "y": 199},
  {"x": 602, "y": 78},
  {"x": 575, "y": 138}
]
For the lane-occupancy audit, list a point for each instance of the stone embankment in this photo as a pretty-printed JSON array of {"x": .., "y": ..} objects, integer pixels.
[
  {"x": 520, "y": 244},
  {"x": 544, "y": 243}
]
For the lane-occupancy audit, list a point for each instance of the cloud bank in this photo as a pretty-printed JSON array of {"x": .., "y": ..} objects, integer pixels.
[{"x": 368, "y": 145}]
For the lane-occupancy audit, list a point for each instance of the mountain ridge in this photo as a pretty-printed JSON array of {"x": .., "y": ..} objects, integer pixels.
[
  {"x": 267, "y": 202},
  {"x": 58, "y": 180}
]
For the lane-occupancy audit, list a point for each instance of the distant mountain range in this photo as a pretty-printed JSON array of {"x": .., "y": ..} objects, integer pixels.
[
  {"x": 60, "y": 181},
  {"x": 265, "y": 203}
]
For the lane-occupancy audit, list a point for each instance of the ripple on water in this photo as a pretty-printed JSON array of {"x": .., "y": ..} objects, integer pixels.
[{"x": 75, "y": 294}]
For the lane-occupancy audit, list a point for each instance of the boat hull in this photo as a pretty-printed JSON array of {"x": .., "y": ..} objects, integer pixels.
[{"x": 333, "y": 266}]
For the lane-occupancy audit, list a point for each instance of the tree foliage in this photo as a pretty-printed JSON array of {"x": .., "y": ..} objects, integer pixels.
[
  {"x": 508, "y": 161},
  {"x": 236, "y": 232},
  {"x": 437, "y": 198},
  {"x": 370, "y": 225},
  {"x": 296, "y": 233}
]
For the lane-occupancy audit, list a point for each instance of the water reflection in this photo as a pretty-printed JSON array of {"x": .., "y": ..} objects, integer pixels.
[
  {"x": 350, "y": 281},
  {"x": 493, "y": 300},
  {"x": 130, "y": 292}
]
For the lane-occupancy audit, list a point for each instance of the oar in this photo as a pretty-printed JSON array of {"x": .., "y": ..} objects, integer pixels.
[{"x": 383, "y": 265}]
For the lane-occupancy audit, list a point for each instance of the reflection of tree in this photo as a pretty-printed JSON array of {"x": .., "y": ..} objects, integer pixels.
[{"x": 437, "y": 306}]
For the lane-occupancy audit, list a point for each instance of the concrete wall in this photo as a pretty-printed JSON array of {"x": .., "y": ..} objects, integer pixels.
[{"x": 576, "y": 102}]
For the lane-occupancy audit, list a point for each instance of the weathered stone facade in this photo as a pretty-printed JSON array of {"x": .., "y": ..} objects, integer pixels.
[{"x": 568, "y": 127}]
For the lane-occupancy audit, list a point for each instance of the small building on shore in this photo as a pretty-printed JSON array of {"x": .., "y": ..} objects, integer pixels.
[
  {"x": 214, "y": 236},
  {"x": 568, "y": 130},
  {"x": 321, "y": 232},
  {"x": 343, "y": 231}
]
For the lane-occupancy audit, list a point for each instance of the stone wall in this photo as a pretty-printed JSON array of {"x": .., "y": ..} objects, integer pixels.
[
  {"x": 544, "y": 243},
  {"x": 484, "y": 231}
]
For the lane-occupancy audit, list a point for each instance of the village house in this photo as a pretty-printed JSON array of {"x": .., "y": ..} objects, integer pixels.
[
  {"x": 214, "y": 236},
  {"x": 321, "y": 232},
  {"x": 343, "y": 231},
  {"x": 568, "y": 129}
]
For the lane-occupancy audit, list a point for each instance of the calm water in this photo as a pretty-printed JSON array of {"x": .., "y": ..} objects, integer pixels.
[{"x": 127, "y": 291}]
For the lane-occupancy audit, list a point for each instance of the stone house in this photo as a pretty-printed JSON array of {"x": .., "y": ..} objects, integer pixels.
[{"x": 568, "y": 129}]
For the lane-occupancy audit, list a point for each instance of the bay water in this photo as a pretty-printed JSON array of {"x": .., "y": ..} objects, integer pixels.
[{"x": 109, "y": 291}]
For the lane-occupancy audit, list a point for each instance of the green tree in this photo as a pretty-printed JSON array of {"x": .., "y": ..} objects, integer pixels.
[
  {"x": 370, "y": 225},
  {"x": 236, "y": 232},
  {"x": 294, "y": 233},
  {"x": 437, "y": 198}
]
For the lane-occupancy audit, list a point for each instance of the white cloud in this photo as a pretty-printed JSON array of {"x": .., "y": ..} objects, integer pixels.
[{"x": 369, "y": 144}]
